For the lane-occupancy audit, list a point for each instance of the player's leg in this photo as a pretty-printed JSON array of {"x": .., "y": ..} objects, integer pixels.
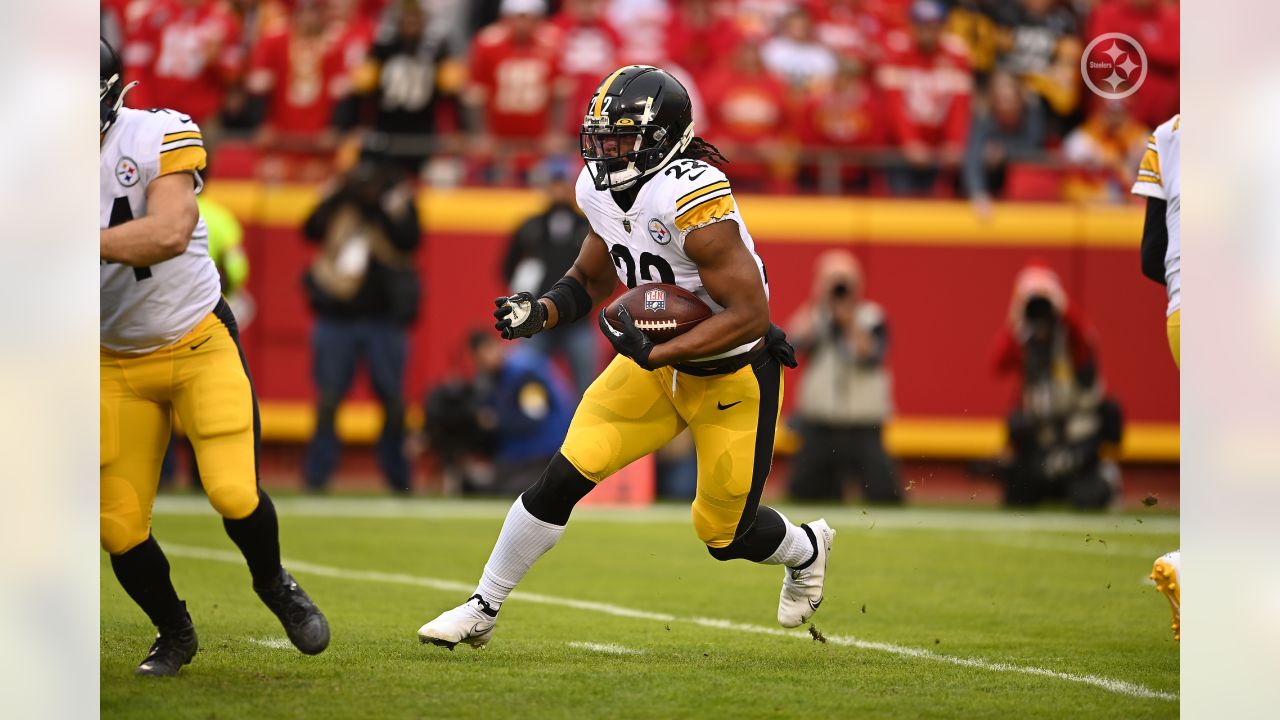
[
  {"x": 625, "y": 414},
  {"x": 733, "y": 418},
  {"x": 1165, "y": 570},
  {"x": 386, "y": 350},
  {"x": 134, "y": 436},
  {"x": 334, "y": 350},
  {"x": 214, "y": 398}
]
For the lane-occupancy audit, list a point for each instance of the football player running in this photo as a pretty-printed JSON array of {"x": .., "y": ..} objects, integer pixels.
[
  {"x": 169, "y": 344},
  {"x": 659, "y": 212},
  {"x": 1160, "y": 181}
]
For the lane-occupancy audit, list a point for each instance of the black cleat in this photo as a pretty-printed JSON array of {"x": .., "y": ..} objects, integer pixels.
[
  {"x": 173, "y": 648},
  {"x": 306, "y": 626}
]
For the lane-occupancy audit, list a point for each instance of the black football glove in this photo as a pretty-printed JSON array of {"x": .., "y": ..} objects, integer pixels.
[
  {"x": 630, "y": 340},
  {"x": 775, "y": 342},
  {"x": 520, "y": 315}
]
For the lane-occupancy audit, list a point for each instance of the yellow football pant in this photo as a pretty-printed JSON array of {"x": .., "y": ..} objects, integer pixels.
[
  {"x": 629, "y": 412},
  {"x": 1173, "y": 326},
  {"x": 203, "y": 380}
]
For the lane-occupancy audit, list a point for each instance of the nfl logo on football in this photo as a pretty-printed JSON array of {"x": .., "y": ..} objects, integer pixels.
[{"x": 655, "y": 299}]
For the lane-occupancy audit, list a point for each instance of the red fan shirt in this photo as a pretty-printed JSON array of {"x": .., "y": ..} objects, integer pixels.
[
  {"x": 926, "y": 95},
  {"x": 301, "y": 78},
  {"x": 515, "y": 78},
  {"x": 193, "y": 52}
]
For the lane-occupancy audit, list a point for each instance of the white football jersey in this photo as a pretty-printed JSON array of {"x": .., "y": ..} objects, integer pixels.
[
  {"x": 1160, "y": 176},
  {"x": 146, "y": 308},
  {"x": 647, "y": 241}
]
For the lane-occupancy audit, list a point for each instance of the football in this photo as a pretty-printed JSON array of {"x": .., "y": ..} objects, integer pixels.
[{"x": 660, "y": 310}]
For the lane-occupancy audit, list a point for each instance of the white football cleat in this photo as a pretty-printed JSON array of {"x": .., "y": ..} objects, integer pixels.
[
  {"x": 1165, "y": 572},
  {"x": 802, "y": 589},
  {"x": 468, "y": 623}
]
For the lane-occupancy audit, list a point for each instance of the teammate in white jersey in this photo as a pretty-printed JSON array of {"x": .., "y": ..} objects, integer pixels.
[
  {"x": 169, "y": 345},
  {"x": 659, "y": 212},
  {"x": 1160, "y": 181}
]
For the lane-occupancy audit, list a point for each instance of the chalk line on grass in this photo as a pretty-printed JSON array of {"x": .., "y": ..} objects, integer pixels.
[
  {"x": 273, "y": 643},
  {"x": 1119, "y": 687},
  {"x": 609, "y": 648}
]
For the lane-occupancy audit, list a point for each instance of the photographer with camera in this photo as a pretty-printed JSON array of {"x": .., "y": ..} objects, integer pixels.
[
  {"x": 364, "y": 289},
  {"x": 1064, "y": 430},
  {"x": 846, "y": 389}
]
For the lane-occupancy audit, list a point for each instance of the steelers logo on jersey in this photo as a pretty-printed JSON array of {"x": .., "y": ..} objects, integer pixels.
[
  {"x": 659, "y": 232},
  {"x": 127, "y": 171}
]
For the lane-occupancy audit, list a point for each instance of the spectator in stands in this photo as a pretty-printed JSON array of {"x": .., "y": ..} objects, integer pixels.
[
  {"x": 748, "y": 107},
  {"x": 845, "y": 391},
  {"x": 1156, "y": 25},
  {"x": 845, "y": 117},
  {"x": 1063, "y": 431},
  {"x": 641, "y": 23},
  {"x": 927, "y": 84},
  {"x": 971, "y": 22},
  {"x": 700, "y": 34},
  {"x": 541, "y": 251},
  {"x": 1105, "y": 149},
  {"x": 363, "y": 288},
  {"x": 509, "y": 94},
  {"x": 1038, "y": 44},
  {"x": 1006, "y": 127},
  {"x": 524, "y": 405},
  {"x": 854, "y": 29},
  {"x": 796, "y": 56},
  {"x": 411, "y": 71},
  {"x": 587, "y": 44},
  {"x": 184, "y": 53},
  {"x": 296, "y": 78}
]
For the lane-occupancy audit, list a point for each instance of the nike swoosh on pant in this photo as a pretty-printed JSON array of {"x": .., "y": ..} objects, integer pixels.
[
  {"x": 193, "y": 347},
  {"x": 726, "y": 407}
]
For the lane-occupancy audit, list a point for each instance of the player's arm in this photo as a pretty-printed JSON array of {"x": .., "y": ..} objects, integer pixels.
[
  {"x": 591, "y": 280},
  {"x": 593, "y": 270},
  {"x": 163, "y": 233},
  {"x": 1155, "y": 239},
  {"x": 732, "y": 278}
]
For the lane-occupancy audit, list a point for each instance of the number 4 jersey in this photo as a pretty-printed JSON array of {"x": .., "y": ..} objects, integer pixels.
[
  {"x": 647, "y": 241},
  {"x": 146, "y": 308}
]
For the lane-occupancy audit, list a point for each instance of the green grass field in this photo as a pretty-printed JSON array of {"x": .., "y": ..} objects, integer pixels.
[{"x": 928, "y": 613}]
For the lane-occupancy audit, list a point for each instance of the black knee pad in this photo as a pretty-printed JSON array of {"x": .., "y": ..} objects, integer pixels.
[
  {"x": 561, "y": 486},
  {"x": 758, "y": 542}
]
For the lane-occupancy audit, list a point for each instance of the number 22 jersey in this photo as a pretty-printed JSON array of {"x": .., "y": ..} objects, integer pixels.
[
  {"x": 647, "y": 241},
  {"x": 146, "y": 308}
]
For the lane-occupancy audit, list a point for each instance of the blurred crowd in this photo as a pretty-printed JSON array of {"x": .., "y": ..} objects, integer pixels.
[{"x": 976, "y": 98}]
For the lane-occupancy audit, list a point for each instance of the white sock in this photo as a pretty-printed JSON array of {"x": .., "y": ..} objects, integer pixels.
[
  {"x": 524, "y": 538},
  {"x": 796, "y": 548}
]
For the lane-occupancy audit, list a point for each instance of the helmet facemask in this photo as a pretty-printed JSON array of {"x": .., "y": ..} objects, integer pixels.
[
  {"x": 619, "y": 155},
  {"x": 110, "y": 98}
]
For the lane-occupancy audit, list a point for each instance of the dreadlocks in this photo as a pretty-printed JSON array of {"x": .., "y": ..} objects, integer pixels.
[{"x": 699, "y": 149}]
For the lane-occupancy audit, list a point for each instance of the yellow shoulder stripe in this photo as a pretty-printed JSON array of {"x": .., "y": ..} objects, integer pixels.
[
  {"x": 688, "y": 197},
  {"x": 187, "y": 159},
  {"x": 183, "y": 135},
  {"x": 1150, "y": 165},
  {"x": 704, "y": 212}
]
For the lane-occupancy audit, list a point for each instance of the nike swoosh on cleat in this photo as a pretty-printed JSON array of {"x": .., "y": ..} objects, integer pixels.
[
  {"x": 722, "y": 406},
  {"x": 814, "y": 605}
]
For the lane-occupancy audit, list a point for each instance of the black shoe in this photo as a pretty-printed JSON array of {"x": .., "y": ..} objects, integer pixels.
[
  {"x": 174, "y": 647},
  {"x": 306, "y": 626}
]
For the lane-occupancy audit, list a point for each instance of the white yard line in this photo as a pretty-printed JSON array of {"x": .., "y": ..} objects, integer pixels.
[
  {"x": 1119, "y": 687},
  {"x": 984, "y": 520},
  {"x": 609, "y": 648},
  {"x": 273, "y": 643}
]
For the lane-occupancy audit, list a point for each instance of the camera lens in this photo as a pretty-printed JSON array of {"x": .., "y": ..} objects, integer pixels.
[{"x": 839, "y": 290}]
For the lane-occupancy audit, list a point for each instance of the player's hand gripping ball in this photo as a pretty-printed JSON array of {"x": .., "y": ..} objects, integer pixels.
[
  {"x": 519, "y": 315},
  {"x": 650, "y": 314}
]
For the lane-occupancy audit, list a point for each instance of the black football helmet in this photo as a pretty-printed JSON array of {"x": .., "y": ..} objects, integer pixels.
[
  {"x": 639, "y": 119},
  {"x": 111, "y": 87}
]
